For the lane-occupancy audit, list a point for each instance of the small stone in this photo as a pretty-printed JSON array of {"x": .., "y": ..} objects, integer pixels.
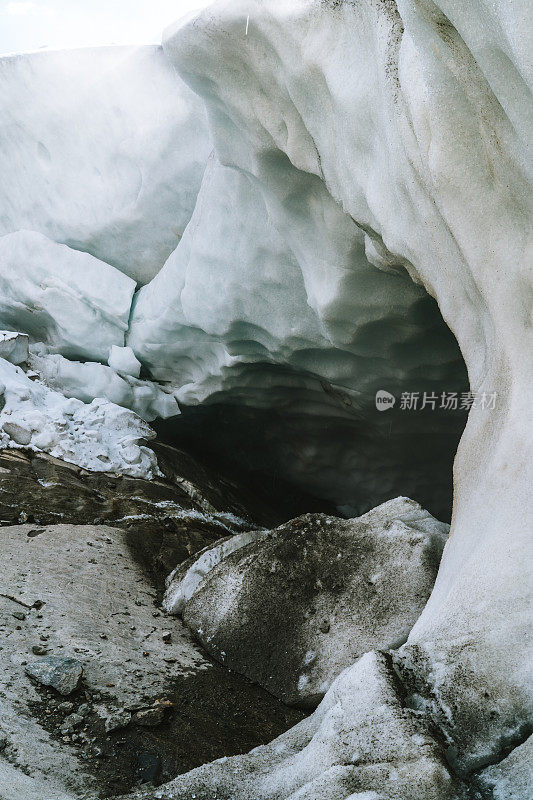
[
  {"x": 39, "y": 650},
  {"x": 325, "y": 626},
  {"x": 166, "y": 636},
  {"x": 65, "y": 707},
  {"x": 70, "y": 723},
  {"x": 103, "y": 636},
  {"x": 35, "y": 532},
  {"x": 23, "y": 517},
  {"x": 19, "y": 615},
  {"x": 117, "y": 721},
  {"x": 62, "y": 674},
  {"x": 84, "y": 710},
  {"x": 156, "y": 614},
  {"x": 150, "y": 717}
]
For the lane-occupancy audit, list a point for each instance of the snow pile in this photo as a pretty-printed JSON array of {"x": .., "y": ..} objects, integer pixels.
[
  {"x": 99, "y": 436},
  {"x": 102, "y": 149}
]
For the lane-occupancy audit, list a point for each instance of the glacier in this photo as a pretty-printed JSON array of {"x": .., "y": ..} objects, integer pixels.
[{"x": 320, "y": 201}]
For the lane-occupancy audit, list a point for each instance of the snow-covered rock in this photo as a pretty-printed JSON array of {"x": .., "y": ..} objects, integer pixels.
[
  {"x": 100, "y": 435},
  {"x": 102, "y": 149},
  {"x": 512, "y": 778},
  {"x": 184, "y": 581},
  {"x": 72, "y": 302},
  {"x": 14, "y": 346},
  {"x": 292, "y": 608}
]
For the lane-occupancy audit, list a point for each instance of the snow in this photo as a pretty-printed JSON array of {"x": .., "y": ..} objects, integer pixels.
[
  {"x": 94, "y": 156},
  {"x": 98, "y": 436}
]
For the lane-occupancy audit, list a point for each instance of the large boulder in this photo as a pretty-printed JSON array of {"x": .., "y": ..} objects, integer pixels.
[{"x": 292, "y": 608}]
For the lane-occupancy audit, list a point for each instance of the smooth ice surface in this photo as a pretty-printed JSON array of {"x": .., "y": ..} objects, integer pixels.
[
  {"x": 72, "y": 302},
  {"x": 102, "y": 149}
]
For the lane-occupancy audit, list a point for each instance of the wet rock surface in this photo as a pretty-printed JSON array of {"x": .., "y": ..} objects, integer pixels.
[
  {"x": 150, "y": 703},
  {"x": 166, "y": 519}
]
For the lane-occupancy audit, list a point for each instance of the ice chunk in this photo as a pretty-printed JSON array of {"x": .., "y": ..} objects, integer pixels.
[
  {"x": 122, "y": 359},
  {"x": 74, "y": 303},
  {"x": 14, "y": 346}
]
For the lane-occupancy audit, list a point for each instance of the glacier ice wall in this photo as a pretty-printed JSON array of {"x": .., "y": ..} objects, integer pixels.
[
  {"x": 103, "y": 149},
  {"x": 414, "y": 118}
]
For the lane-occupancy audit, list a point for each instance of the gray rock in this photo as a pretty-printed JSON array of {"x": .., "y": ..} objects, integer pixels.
[
  {"x": 62, "y": 674},
  {"x": 39, "y": 650},
  {"x": 292, "y": 609},
  {"x": 149, "y": 717},
  {"x": 118, "y": 720},
  {"x": 71, "y": 722}
]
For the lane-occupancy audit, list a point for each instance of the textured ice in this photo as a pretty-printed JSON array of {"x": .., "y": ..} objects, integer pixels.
[
  {"x": 102, "y": 149},
  {"x": 14, "y": 346}
]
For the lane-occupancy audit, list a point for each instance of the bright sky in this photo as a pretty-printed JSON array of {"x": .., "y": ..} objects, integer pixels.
[{"x": 35, "y": 24}]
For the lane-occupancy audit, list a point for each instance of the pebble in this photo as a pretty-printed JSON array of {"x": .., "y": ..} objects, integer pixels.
[
  {"x": 70, "y": 723},
  {"x": 19, "y": 615},
  {"x": 39, "y": 650}
]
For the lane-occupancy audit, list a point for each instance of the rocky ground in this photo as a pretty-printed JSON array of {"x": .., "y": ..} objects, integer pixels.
[{"x": 83, "y": 561}]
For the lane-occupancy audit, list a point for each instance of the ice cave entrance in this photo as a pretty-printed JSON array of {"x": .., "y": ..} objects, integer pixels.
[{"x": 282, "y": 426}]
